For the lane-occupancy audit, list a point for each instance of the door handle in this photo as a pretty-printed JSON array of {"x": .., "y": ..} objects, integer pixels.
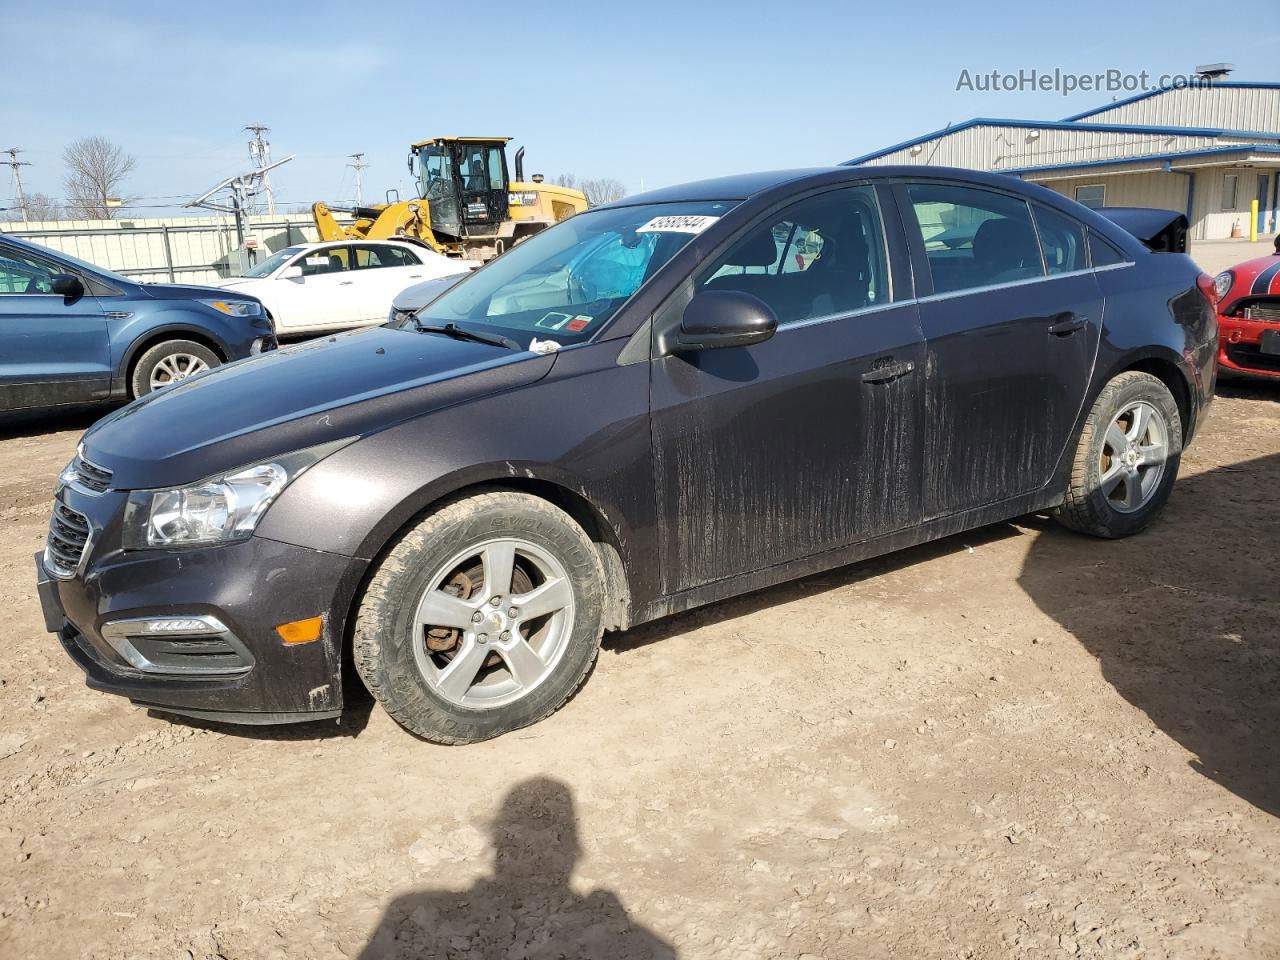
[
  {"x": 889, "y": 371},
  {"x": 344, "y": 283},
  {"x": 1065, "y": 324},
  {"x": 415, "y": 276}
]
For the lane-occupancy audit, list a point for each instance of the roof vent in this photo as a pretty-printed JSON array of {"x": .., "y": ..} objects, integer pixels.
[{"x": 1214, "y": 71}]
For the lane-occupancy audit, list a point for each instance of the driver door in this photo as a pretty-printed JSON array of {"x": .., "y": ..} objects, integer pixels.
[
  {"x": 810, "y": 440},
  {"x": 51, "y": 350},
  {"x": 482, "y": 176}
]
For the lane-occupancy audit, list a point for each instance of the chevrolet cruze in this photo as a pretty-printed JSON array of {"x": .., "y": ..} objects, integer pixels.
[{"x": 660, "y": 403}]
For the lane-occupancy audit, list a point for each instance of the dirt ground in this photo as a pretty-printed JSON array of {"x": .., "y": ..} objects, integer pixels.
[{"x": 1013, "y": 743}]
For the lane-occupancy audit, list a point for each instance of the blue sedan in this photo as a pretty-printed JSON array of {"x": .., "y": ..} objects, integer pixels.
[{"x": 71, "y": 332}]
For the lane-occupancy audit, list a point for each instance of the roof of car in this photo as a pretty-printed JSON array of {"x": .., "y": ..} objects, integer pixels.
[
  {"x": 311, "y": 245},
  {"x": 745, "y": 185}
]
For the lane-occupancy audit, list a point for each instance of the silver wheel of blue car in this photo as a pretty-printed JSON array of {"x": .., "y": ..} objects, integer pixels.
[
  {"x": 494, "y": 623},
  {"x": 169, "y": 362}
]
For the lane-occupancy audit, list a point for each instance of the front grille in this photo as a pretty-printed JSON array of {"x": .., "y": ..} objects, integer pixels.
[
  {"x": 1248, "y": 355},
  {"x": 1260, "y": 311},
  {"x": 90, "y": 475},
  {"x": 68, "y": 537}
]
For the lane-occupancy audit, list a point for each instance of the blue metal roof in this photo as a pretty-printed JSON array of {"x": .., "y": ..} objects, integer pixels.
[
  {"x": 1066, "y": 125},
  {"x": 1238, "y": 84},
  {"x": 1210, "y": 151}
]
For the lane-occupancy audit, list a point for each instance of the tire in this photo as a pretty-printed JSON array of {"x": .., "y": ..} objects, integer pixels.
[
  {"x": 417, "y": 667},
  {"x": 177, "y": 358},
  {"x": 1121, "y": 480}
]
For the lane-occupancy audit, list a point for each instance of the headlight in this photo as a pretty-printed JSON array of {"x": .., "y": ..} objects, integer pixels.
[
  {"x": 1222, "y": 283},
  {"x": 235, "y": 308},
  {"x": 218, "y": 510}
]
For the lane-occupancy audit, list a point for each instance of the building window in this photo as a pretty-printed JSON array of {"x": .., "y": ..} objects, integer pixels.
[
  {"x": 1093, "y": 196},
  {"x": 1230, "y": 184}
]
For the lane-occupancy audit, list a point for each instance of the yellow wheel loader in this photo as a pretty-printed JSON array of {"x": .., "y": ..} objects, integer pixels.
[{"x": 467, "y": 205}]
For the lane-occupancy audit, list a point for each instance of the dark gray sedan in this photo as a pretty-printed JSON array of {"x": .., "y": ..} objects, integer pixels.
[{"x": 657, "y": 404}]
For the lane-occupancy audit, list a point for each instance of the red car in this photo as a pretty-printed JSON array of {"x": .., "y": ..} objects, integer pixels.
[{"x": 1249, "y": 317}]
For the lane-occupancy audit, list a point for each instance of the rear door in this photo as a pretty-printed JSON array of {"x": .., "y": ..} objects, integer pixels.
[
  {"x": 51, "y": 350},
  {"x": 382, "y": 271},
  {"x": 810, "y": 440},
  {"x": 1011, "y": 333}
]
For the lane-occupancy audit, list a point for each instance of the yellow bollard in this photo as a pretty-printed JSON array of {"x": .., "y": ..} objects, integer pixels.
[{"x": 1253, "y": 221}]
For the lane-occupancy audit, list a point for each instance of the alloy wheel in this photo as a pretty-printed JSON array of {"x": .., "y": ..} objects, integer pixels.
[
  {"x": 175, "y": 367},
  {"x": 1135, "y": 450},
  {"x": 493, "y": 623}
]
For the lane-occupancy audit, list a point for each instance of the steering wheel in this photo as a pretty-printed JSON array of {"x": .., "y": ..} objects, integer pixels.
[{"x": 581, "y": 290}]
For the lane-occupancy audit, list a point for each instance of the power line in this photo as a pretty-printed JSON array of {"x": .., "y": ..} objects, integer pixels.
[{"x": 16, "y": 166}]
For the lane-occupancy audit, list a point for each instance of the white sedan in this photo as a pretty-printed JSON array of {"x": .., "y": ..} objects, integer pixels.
[{"x": 313, "y": 287}]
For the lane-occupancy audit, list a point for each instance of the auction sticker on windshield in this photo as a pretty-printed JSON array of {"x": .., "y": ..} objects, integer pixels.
[{"x": 677, "y": 224}]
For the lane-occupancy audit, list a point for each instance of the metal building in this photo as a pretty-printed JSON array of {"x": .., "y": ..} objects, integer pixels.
[{"x": 1208, "y": 150}]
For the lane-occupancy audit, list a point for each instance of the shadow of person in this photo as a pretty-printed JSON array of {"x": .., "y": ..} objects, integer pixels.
[
  {"x": 526, "y": 909},
  {"x": 1183, "y": 619}
]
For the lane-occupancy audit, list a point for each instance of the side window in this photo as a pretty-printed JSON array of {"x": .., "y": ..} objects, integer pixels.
[
  {"x": 1103, "y": 254},
  {"x": 820, "y": 257},
  {"x": 974, "y": 238},
  {"x": 379, "y": 256},
  {"x": 495, "y": 169},
  {"x": 398, "y": 257},
  {"x": 21, "y": 274},
  {"x": 328, "y": 260},
  {"x": 1061, "y": 241}
]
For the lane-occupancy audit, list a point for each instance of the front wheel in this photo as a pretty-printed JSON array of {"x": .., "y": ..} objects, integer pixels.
[
  {"x": 482, "y": 619},
  {"x": 169, "y": 362},
  {"x": 1127, "y": 458}
]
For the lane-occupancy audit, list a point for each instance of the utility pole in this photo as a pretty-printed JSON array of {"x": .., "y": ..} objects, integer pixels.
[
  {"x": 16, "y": 166},
  {"x": 357, "y": 163},
  {"x": 260, "y": 156}
]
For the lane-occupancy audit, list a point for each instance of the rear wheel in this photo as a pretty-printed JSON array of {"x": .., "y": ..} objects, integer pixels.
[
  {"x": 1127, "y": 458},
  {"x": 482, "y": 619},
  {"x": 169, "y": 362}
]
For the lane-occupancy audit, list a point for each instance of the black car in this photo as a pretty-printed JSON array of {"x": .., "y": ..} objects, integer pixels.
[{"x": 660, "y": 403}]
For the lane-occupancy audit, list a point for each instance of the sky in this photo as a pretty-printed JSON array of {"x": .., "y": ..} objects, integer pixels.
[{"x": 650, "y": 93}]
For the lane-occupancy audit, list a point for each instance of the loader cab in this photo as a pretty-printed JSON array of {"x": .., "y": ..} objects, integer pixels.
[{"x": 465, "y": 181}]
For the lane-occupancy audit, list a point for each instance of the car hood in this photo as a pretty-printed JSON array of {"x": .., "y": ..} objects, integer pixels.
[
  {"x": 343, "y": 386},
  {"x": 230, "y": 282},
  {"x": 176, "y": 291}
]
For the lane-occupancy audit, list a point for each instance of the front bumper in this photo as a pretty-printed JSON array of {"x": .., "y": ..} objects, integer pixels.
[
  {"x": 1241, "y": 349},
  {"x": 245, "y": 589}
]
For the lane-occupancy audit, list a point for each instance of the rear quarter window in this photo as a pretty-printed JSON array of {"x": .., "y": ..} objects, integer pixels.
[{"x": 1102, "y": 253}]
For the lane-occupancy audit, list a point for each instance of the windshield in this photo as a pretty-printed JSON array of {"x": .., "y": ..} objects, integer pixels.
[
  {"x": 566, "y": 283},
  {"x": 273, "y": 263}
]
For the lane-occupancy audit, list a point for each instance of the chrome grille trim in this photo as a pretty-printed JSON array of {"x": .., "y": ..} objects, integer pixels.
[{"x": 68, "y": 542}]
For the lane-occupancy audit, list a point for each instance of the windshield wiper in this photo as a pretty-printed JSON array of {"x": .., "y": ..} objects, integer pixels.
[{"x": 458, "y": 333}]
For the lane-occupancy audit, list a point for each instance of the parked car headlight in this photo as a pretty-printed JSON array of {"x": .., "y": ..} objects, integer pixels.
[
  {"x": 1222, "y": 283},
  {"x": 235, "y": 308},
  {"x": 221, "y": 509}
]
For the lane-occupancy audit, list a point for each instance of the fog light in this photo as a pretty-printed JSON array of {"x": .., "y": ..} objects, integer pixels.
[{"x": 301, "y": 631}]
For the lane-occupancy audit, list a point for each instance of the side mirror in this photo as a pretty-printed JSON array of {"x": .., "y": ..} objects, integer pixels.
[
  {"x": 291, "y": 273},
  {"x": 68, "y": 285},
  {"x": 724, "y": 318}
]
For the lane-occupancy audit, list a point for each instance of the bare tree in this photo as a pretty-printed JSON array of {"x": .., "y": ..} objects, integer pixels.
[
  {"x": 41, "y": 206},
  {"x": 96, "y": 168},
  {"x": 569, "y": 180},
  {"x": 602, "y": 190}
]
